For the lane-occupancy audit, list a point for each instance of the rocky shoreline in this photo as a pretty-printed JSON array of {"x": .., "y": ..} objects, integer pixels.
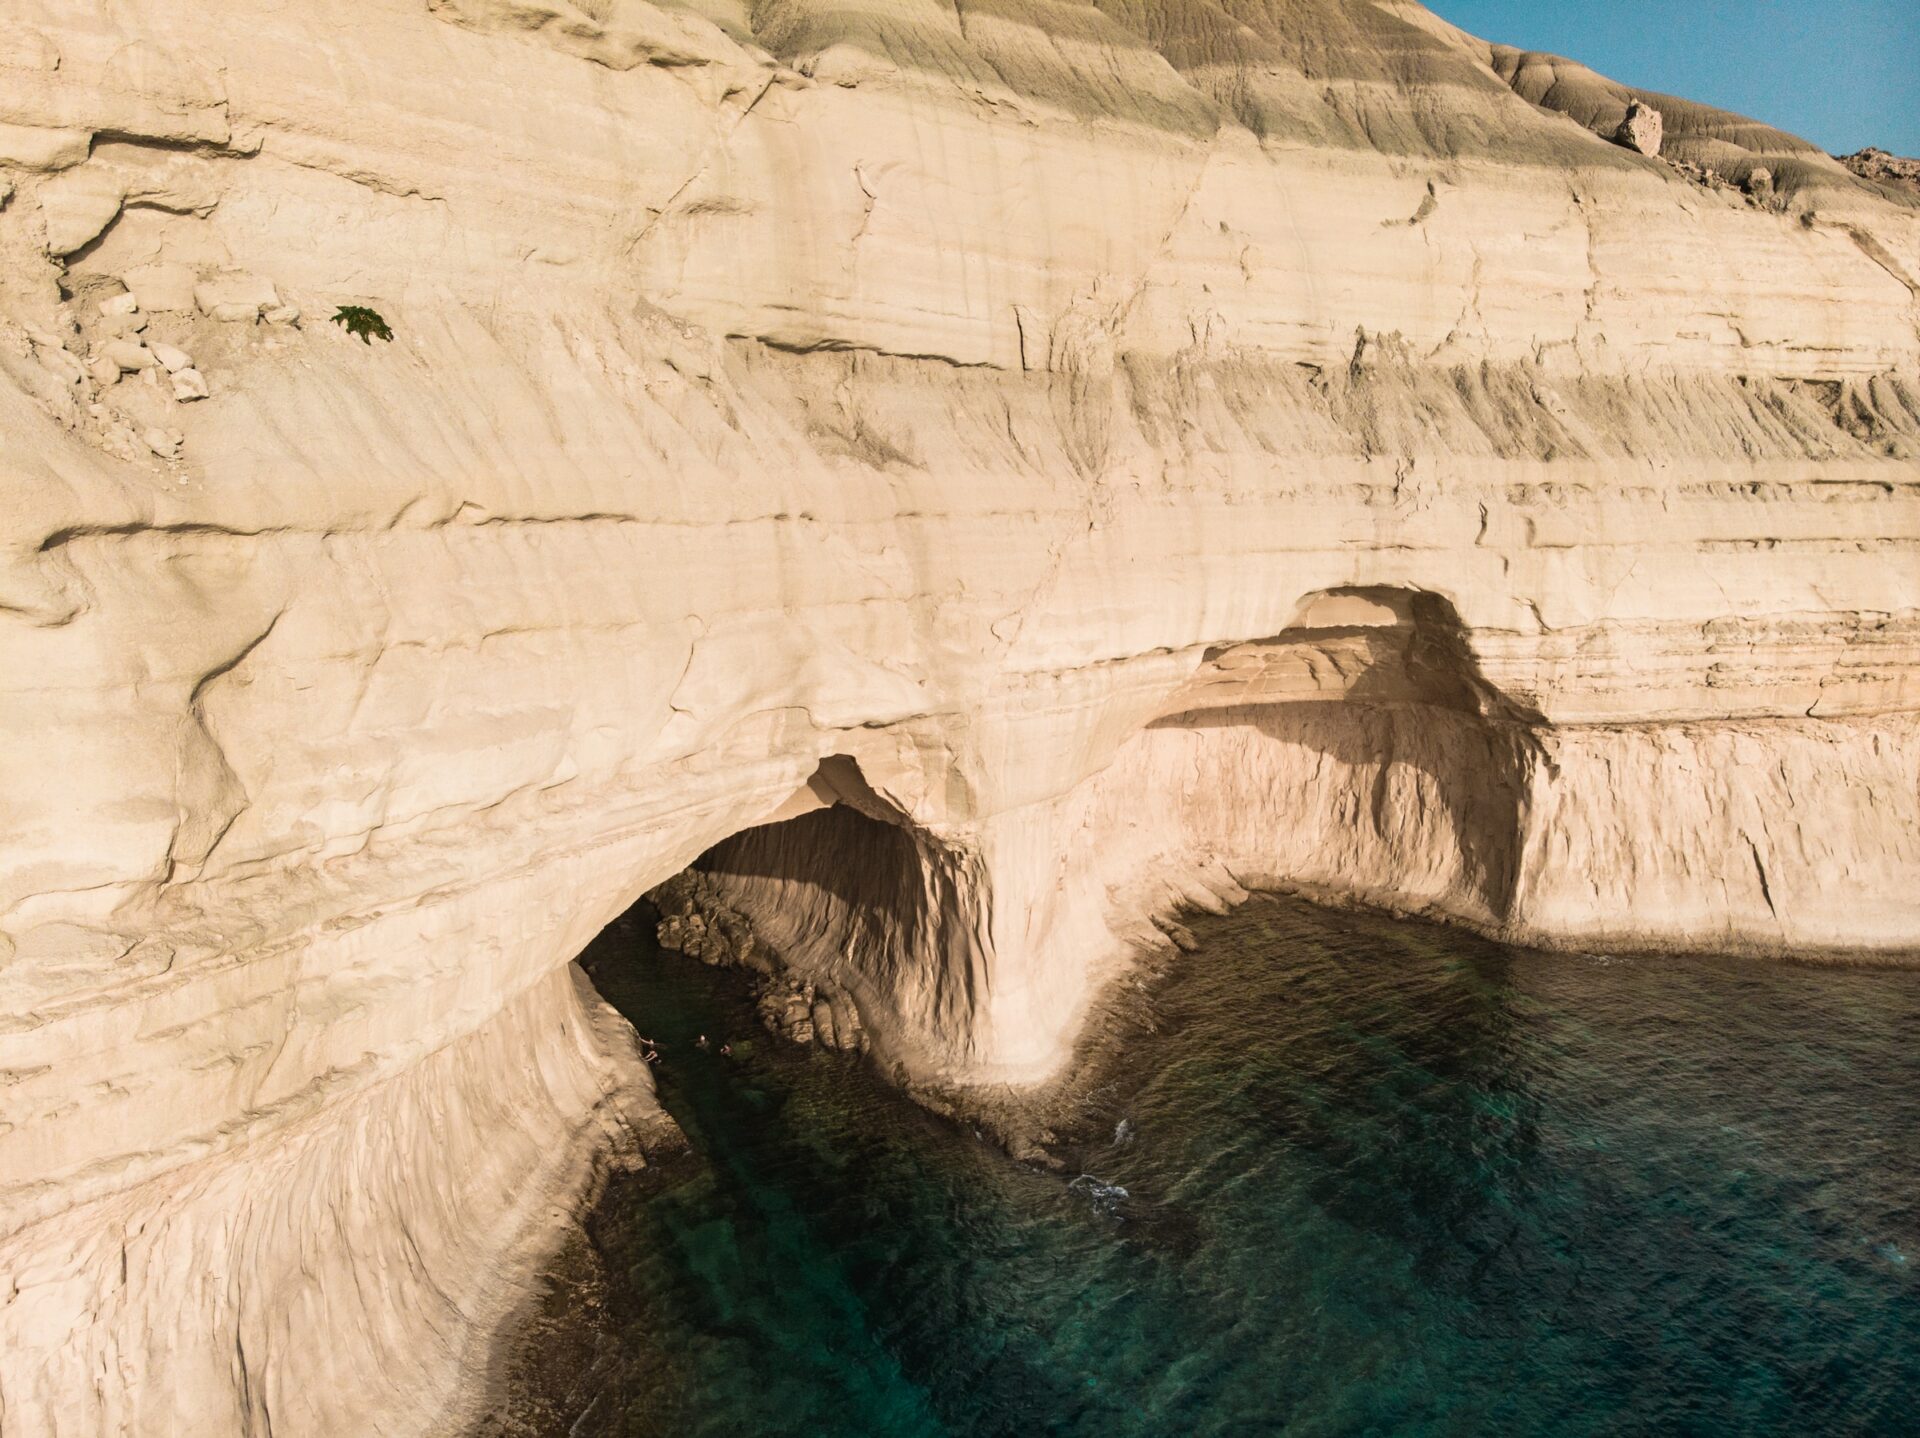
[
  {"x": 695, "y": 920},
  {"x": 557, "y": 1347},
  {"x": 556, "y": 1350},
  {"x": 1041, "y": 1125}
]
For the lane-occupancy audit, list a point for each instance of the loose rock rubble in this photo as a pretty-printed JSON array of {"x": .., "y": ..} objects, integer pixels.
[
  {"x": 1876, "y": 164},
  {"x": 1757, "y": 188},
  {"x": 695, "y": 921}
]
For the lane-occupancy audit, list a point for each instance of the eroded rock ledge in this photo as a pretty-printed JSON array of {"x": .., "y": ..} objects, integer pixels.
[{"x": 987, "y": 479}]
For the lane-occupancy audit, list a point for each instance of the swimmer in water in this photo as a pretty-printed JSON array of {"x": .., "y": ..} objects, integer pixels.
[
  {"x": 726, "y": 1050},
  {"x": 700, "y": 1042}
]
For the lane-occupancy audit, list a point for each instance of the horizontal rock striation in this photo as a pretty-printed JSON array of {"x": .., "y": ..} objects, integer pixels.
[{"x": 985, "y": 476}]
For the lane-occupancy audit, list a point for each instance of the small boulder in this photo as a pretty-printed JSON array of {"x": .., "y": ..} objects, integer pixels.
[
  {"x": 162, "y": 442},
  {"x": 57, "y": 361},
  {"x": 235, "y": 297},
  {"x": 189, "y": 385},
  {"x": 120, "y": 304},
  {"x": 283, "y": 315},
  {"x": 847, "y": 1032},
  {"x": 122, "y": 322},
  {"x": 822, "y": 1016},
  {"x": 128, "y": 355},
  {"x": 171, "y": 359},
  {"x": 1642, "y": 129},
  {"x": 104, "y": 372},
  {"x": 161, "y": 287},
  {"x": 1759, "y": 183}
]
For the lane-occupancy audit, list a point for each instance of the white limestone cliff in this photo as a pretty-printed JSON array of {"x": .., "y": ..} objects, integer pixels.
[{"x": 1056, "y": 461}]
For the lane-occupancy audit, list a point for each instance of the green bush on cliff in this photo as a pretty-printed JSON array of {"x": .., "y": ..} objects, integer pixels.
[{"x": 361, "y": 321}]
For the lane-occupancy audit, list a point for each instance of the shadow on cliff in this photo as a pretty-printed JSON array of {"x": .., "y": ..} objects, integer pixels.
[
  {"x": 1409, "y": 692},
  {"x": 875, "y": 904}
]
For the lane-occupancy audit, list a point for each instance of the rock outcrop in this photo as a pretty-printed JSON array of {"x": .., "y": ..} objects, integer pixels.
[
  {"x": 1896, "y": 171},
  {"x": 985, "y": 476},
  {"x": 1641, "y": 128}
]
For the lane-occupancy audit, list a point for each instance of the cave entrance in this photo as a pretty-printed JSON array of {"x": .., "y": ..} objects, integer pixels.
[
  {"x": 842, "y": 907},
  {"x": 1358, "y": 753}
]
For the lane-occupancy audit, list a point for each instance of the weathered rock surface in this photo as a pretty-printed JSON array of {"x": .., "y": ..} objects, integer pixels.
[
  {"x": 1894, "y": 170},
  {"x": 1641, "y": 128},
  {"x": 696, "y": 919},
  {"x": 986, "y": 477}
]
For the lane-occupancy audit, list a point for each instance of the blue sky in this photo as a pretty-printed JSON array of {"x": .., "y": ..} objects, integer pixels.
[{"x": 1842, "y": 73}]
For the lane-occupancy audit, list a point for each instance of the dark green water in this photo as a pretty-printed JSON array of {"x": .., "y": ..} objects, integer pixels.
[{"x": 1378, "y": 1178}]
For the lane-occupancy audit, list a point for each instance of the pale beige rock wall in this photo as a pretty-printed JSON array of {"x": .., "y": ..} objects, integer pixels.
[{"x": 970, "y": 394}]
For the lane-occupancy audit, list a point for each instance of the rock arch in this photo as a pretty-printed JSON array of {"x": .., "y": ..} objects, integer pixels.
[
  {"x": 1359, "y": 753},
  {"x": 869, "y": 926}
]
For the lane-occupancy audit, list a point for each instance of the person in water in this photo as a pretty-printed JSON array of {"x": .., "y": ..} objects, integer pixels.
[
  {"x": 726, "y": 1050},
  {"x": 700, "y": 1042}
]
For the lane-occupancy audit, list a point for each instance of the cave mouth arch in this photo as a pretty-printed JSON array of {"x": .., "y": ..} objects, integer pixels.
[
  {"x": 861, "y": 925},
  {"x": 1358, "y": 754}
]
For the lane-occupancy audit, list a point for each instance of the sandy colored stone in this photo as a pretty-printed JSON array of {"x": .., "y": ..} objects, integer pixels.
[
  {"x": 188, "y": 384},
  {"x": 235, "y": 296},
  {"x": 61, "y": 362},
  {"x": 128, "y": 355},
  {"x": 161, "y": 287},
  {"x": 24, "y": 47},
  {"x": 1641, "y": 130},
  {"x": 32, "y": 147},
  {"x": 120, "y": 324},
  {"x": 77, "y": 205},
  {"x": 998, "y": 480}
]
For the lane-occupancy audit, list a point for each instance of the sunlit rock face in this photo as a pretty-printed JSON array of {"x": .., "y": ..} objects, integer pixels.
[{"x": 1056, "y": 462}]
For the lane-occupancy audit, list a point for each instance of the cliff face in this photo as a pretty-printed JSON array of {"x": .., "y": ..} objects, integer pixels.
[{"x": 999, "y": 470}]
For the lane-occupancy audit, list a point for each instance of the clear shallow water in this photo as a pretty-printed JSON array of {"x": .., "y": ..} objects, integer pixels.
[{"x": 1378, "y": 1178}]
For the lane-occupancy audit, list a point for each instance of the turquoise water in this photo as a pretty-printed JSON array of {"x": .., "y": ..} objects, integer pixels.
[{"x": 1369, "y": 1178}]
